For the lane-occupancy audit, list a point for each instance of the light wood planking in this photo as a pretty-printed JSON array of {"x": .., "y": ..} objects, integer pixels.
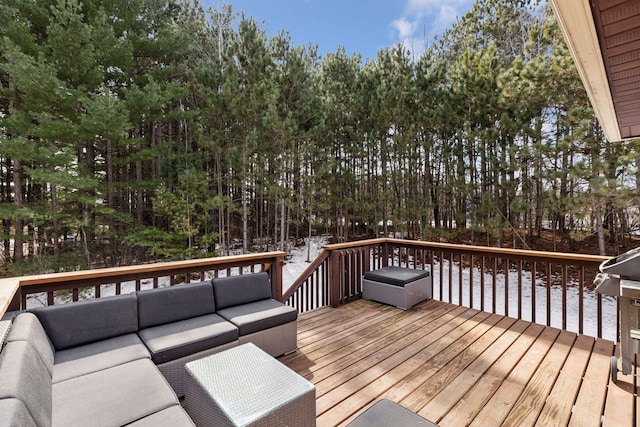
[
  {"x": 589, "y": 405},
  {"x": 527, "y": 409},
  {"x": 559, "y": 404},
  {"x": 457, "y": 366}
]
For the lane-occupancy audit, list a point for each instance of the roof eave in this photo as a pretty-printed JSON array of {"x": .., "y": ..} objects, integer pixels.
[{"x": 576, "y": 22}]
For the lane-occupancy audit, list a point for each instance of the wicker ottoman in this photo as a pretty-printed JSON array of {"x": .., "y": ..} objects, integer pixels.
[
  {"x": 402, "y": 287},
  {"x": 244, "y": 386}
]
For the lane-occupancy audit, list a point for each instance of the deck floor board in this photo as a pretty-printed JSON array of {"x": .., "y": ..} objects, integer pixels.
[{"x": 457, "y": 367}]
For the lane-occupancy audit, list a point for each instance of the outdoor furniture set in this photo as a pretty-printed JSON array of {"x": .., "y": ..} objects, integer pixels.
[
  {"x": 126, "y": 360},
  {"x": 121, "y": 360}
]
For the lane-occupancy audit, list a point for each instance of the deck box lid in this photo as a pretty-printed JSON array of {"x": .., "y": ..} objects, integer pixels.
[{"x": 398, "y": 276}]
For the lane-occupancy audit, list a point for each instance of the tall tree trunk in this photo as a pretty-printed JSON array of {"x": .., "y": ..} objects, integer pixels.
[
  {"x": 139, "y": 191},
  {"x": 18, "y": 255},
  {"x": 245, "y": 202},
  {"x": 54, "y": 214}
]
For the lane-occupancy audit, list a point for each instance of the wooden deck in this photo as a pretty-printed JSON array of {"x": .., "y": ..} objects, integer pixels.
[{"x": 457, "y": 367}]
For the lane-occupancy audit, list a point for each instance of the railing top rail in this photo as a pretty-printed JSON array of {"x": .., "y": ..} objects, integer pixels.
[
  {"x": 158, "y": 269},
  {"x": 306, "y": 273},
  {"x": 541, "y": 255},
  {"x": 8, "y": 288}
]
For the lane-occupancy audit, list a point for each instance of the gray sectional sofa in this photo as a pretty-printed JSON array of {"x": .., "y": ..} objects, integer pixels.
[{"x": 120, "y": 360}]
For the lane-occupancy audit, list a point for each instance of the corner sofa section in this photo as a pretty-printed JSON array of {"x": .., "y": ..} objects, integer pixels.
[
  {"x": 81, "y": 372},
  {"x": 120, "y": 360},
  {"x": 246, "y": 302}
]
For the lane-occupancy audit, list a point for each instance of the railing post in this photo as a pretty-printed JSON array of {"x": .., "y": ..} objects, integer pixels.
[
  {"x": 334, "y": 278},
  {"x": 385, "y": 253},
  {"x": 16, "y": 302},
  {"x": 275, "y": 273},
  {"x": 366, "y": 260}
]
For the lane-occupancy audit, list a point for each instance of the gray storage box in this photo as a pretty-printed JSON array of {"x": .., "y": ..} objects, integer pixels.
[{"x": 398, "y": 286}]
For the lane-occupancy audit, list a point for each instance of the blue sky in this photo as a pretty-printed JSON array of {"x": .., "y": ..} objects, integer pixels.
[{"x": 360, "y": 26}]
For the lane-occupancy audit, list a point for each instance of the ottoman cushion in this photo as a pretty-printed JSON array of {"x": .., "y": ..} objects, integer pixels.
[{"x": 397, "y": 276}]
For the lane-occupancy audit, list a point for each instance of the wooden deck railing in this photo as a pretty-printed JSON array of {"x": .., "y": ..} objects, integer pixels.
[
  {"x": 550, "y": 288},
  {"x": 15, "y": 291}
]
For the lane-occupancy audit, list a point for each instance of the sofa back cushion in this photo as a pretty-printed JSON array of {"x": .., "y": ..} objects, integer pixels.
[
  {"x": 25, "y": 378},
  {"x": 174, "y": 303},
  {"x": 27, "y": 327},
  {"x": 73, "y": 324},
  {"x": 243, "y": 289}
]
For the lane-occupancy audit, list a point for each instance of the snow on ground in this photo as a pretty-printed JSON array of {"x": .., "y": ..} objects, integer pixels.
[
  {"x": 590, "y": 299},
  {"x": 296, "y": 263}
]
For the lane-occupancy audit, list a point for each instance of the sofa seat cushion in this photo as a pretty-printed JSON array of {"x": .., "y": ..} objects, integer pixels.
[
  {"x": 88, "y": 358},
  {"x": 178, "y": 339},
  {"x": 170, "y": 417},
  {"x": 27, "y": 327},
  {"x": 23, "y": 376},
  {"x": 112, "y": 397},
  {"x": 259, "y": 315},
  {"x": 14, "y": 413}
]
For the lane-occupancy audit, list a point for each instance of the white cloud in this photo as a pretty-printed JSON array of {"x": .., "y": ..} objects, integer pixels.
[
  {"x": 423, "y": 20},
  {"x": 404, "y": 28}
]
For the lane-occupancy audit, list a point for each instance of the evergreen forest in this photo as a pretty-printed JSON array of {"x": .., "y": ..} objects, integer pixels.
[{"x": 153, "y": 129}]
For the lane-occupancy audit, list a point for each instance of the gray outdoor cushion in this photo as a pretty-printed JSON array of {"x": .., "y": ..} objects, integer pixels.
[
  {"x": 24, "y": 377},
  {"x": 178, "y": 339},
  {"x": 13, "y": 413},
  {"x": 27, "y": 327},
  {"x": 112, "y": 397},
  {"x": 259, "y": 315},
  {"x": 397, "y": 276},
  {"x": 386, "y": 413},
  {"x": 97, "y": 356},
  {"x": 170, "y": 417},
  {"x": 170, "y": 304},
  {"x": 243, "y": 289},
  {"x": 70, "y": 325}
]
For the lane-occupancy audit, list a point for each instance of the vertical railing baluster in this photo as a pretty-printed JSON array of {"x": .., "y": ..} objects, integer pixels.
[
  {"x": 548, "y": 284},
  {"x": 506, "y": 285},
  {"x": 471, "y": 268},
  {"x": 564, "y": 296},
  {"x": 451, "y": 277},
  {"x": 581, "y": 301},
  {"x": 599, "y": 305},
  {"x": 441, "y": 275},
  {"x": 534, "y": 273},
  {"x": 519, "y": 289},
  {"x": 460, "y": 291},
  {"x": 494, "y": 279},
  {"x": 482, "y": 273}
]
